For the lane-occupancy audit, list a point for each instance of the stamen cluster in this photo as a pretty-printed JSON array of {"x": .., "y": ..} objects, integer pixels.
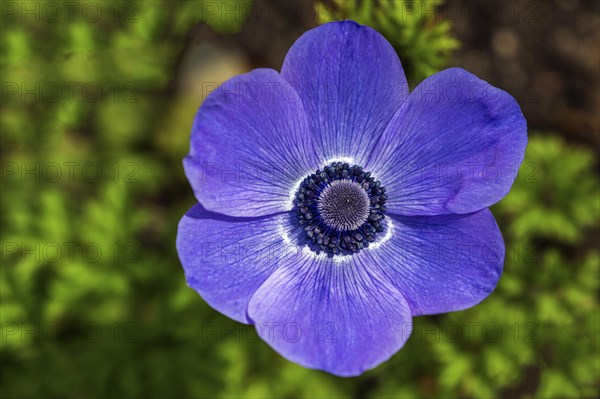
[{"x": 341, "y": 208}]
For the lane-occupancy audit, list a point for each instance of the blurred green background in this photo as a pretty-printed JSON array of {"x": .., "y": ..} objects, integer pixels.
[{"x": 97, "y": 103}]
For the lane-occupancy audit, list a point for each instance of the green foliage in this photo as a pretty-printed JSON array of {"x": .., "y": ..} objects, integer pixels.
[
  {"x": 556, "y": 195},
  {"x": 552, "y": 267},
  {"x": 419, "y": 35},
  {"x": 124, "y": 324}
]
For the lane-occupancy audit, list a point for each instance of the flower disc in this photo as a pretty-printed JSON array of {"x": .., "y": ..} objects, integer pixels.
[{"x": 341, "y": 208}]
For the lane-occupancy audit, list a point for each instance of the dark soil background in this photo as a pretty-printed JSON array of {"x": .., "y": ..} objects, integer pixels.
[{"x": 545, "y": 53}]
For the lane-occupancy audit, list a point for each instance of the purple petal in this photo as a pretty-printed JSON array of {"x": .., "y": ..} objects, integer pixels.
[
  {"x": 350, "y": 81},
  {"x": 443, "y": 263},
  {"x": 250, "y": 145},
  {"x": 455, "y": 146},
  {"x": 341, "y": 317},
  {"x": 226, "y": 258}
]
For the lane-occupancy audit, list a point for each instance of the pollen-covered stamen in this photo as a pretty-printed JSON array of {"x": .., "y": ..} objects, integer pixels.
[
  {"x": 344, "y": 205},
  {"x": 341, "y": 208}
]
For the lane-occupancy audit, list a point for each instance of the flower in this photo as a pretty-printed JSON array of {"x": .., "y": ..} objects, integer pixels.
[{"x": 334, "y": 206}]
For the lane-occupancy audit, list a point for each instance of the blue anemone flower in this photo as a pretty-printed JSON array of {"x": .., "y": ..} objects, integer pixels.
[{"x": 334, "y": 206}]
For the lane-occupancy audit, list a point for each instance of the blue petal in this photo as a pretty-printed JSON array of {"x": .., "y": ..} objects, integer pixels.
[
  {"x": 250, "y": 145},
  {"x": 443, "y": 263},
  {"x": 226, "y": 258},
  {"x": 455, "y": 146},
  {"x": 350, "y": 81},
  {"x": 342, "y": 317}
]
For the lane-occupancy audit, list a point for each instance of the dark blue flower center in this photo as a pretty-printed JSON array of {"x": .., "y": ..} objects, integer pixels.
[{"x": 341, "y": 208}]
